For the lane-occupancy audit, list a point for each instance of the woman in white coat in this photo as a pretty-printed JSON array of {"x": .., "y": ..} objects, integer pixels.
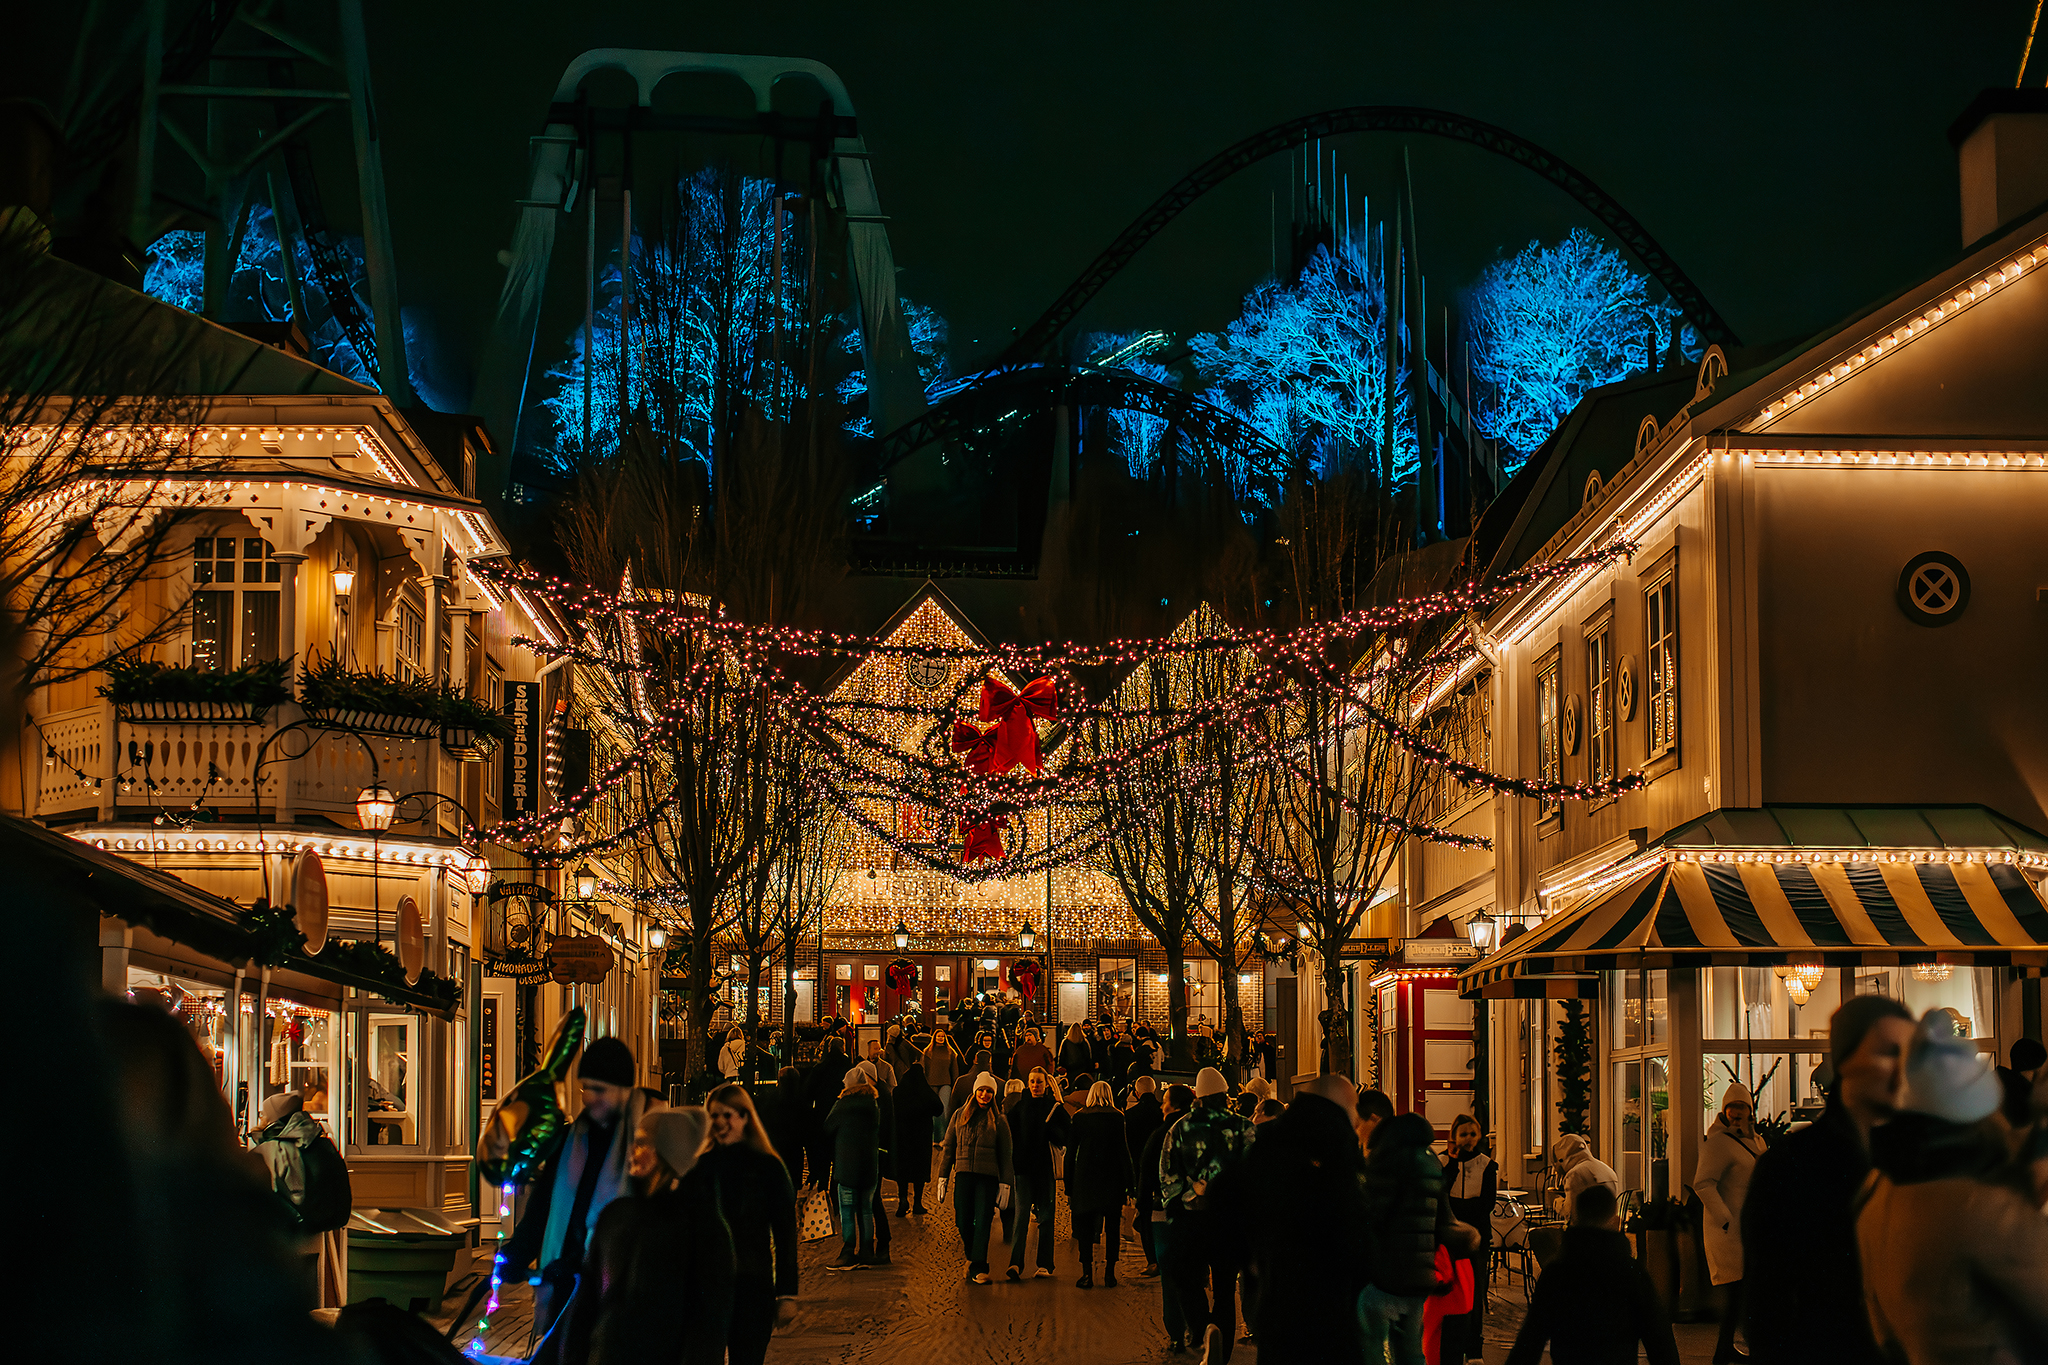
[{"x": 1727, "y": 1158}]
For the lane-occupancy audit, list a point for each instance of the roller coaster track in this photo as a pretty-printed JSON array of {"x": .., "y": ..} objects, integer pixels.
[
  {"x": 1038, "y": 339},
  {"x": 1006, "y": 390}
]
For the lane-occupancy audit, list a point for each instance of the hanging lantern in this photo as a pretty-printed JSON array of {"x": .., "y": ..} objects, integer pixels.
[
  {"x": 1027, "y": 937},
  {"x": 657, "y": 939},
  {"x": 1480, "y": 930},
  {"x": 902, "y": 936},
  {"x": 375, "y": 807},
  {"x": 1810, "y": 974},
  {"x": 586, "y": 883},
  {"x": 476, "y": 869},
  {"x": 1931, "y": 971},
  {"x": 1796, "y": 990}
]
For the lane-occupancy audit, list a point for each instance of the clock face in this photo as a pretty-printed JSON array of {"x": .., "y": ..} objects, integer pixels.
[{"x": 929, "y": 674}]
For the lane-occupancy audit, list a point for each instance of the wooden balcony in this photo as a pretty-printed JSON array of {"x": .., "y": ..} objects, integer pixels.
[{"x": 144, "y": 765}]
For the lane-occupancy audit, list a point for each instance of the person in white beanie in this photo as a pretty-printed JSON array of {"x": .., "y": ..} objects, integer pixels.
[
  {"x": 1722, "y": 1182},
  {"x": 1581, "y": 1171},
  {"x": 976, "y": 1162},
  {"x": 1955, "y": 1255}
]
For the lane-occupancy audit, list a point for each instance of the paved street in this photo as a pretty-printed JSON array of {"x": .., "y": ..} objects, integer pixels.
[{"x": 921, "y": 1309}]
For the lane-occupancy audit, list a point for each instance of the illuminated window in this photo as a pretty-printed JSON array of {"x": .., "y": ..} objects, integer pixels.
[
  {"x": 1600, "y": 702},
  {"x": 1660, "y": 634},
  {"x": 412, "y": 638},
  {"x": 1549, "y": 764},
  {"x": 234, "y": 602}
]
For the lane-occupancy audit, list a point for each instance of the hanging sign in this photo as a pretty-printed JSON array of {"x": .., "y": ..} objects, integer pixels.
[
  {"x": 412, "y": 941},
  {"x": 522, "y": 755},
  {"x": 584, "y": 958},
  {"x": 309, "y": 899},
  {"x": 1438, "y": 950}
]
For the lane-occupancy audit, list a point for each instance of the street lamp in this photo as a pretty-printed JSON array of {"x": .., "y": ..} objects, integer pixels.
[
  {"x": 1480, "y": 930},
  {"x": 477, "y": 868},
  {"x": 657, "y": 939},
  {"x": 375, "y": 805},
  {"x": 1304, "y": 932},
  {"x": 586, "y": 883},
  {"x": 902, "y": 936},
  {"x": 344, "y": 581},
  {"x": 1027, "y": 937}
]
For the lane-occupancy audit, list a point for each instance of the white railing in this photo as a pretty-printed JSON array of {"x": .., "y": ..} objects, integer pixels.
[
  {"x": 187, "y": 760},
  {"x": 337, "y": 768},
  {"x": 79, "y": 737}
]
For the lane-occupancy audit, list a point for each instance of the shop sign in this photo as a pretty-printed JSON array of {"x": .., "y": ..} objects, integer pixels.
[
  {"x": 1438, "y": 950},
  {"x": 309, "y": 899},
  {"x": 584, "y": 958},
  {"x": 412, "y": 940},
  {"x": 1364, "y": 948},
  {"x": 522, "y": 755}
]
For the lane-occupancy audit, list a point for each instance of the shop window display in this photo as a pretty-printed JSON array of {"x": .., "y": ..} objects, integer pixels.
[{"x": 1638, "y": 1034}]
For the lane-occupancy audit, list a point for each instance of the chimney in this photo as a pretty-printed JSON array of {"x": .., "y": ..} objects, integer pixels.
[{"x": 2001, "y": 144}]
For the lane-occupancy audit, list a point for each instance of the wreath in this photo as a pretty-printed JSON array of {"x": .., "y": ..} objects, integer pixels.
[
  {"x": 902, "y": 975},
  {"x": 1026, "y": 974}
]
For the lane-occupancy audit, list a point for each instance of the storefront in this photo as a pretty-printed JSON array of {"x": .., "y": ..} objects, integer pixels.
[{"x": 1702, "y": 963}]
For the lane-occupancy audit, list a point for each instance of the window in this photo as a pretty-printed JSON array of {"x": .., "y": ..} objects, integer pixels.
[
  {"x": 1549, "y": 765},
  {"x": 1660, "y": 636},
  {"x": 412, "y": 638},
  {"x": 1600, "y": 702},
  {"x": 1638, "y": 1036},
  {"x": 235, "y": 602}
]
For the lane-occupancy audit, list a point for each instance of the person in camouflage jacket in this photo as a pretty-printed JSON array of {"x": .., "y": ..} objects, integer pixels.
[{"x": 1205, "y": 1147}]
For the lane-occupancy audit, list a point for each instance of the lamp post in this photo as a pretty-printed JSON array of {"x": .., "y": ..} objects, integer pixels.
[{"x": 375, "y": 807}]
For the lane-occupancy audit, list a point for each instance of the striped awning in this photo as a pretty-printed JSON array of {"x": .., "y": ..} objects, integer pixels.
[{"x": 1873, "y": 913}]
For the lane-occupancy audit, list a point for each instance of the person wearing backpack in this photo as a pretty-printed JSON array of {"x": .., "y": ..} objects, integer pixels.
[{"x": 307, "y": 1172}]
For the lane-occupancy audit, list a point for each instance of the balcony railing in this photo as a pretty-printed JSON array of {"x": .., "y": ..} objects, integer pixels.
[{"x": 171, "y": 764}]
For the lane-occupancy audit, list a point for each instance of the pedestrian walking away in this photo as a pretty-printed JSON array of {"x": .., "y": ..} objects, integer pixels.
[
  {"x": 1305, "y": 1180},
  {"x": 587, "y": 1172},
  {"x": 1038, "y": 1123},
  {"x": 1407, "y": 1218},
  {"x": 1722, "y": 1181},
  {"x": 1098, "y": 1181},
  {"x": 1198, "y": 1151},
  {"x": 1805, "y": 1284},
  {"x": 917, "y": 1108},
  {"x": 1152, "y": 1217},
  {"x": 1594, "y": 1303},
  {"x": 854, "y": 1127},
  {"x": 759, "y": 1201},
  {"x": 974, "y": 1161}
]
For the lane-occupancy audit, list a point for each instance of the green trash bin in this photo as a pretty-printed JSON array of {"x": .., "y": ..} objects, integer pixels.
[{"x": 403, "y": 1256}]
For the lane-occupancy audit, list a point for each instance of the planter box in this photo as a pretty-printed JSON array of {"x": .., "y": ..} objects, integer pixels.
[
  {"x": 370, "y": 722},
  {"x": 469, "y": 745},
  {"x": 172, "y": 712}
]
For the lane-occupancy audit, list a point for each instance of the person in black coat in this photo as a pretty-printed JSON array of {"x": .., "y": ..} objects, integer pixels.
[
  {"x": 1302, "y": 1198},
  {"x": 1406, "y": 1219},
  {"x": 759, "y": 1200},
  {"x": 1075, "y": 1055},
  {"x": 1099, "y": 1181},
  {"x": 1152, "y": 1212},
  {"x": 821, "y": 1092},
  {"x": 1594, "y": 1302},
  {"x": 910, "y": 1154},
  {"x": 657, "y": 1283},
  {"x": 855, "y": 1125},
  {"x": 783, "y": 1114},
  {"x": 1800, "y": 1263},
  {"x": 1038, "y": 1123}
]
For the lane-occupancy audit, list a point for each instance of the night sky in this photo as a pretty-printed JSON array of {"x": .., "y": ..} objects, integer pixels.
[{"x": 1793, "y": 157}]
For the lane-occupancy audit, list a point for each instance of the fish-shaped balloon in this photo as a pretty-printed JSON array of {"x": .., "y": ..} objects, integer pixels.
[{"x": 523, "y": 1129}]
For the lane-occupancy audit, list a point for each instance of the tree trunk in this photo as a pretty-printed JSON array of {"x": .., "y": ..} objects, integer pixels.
[
  {"x": 703, "y": 1004},
  {"x": 1180, "y": 1053},
  {"x": 1337, "y": 1050},
  {"x": 753, "y": 991}
]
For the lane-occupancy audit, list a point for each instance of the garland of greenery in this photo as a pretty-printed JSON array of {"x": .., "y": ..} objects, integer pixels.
[
  {"x": 274, "y": 940},
  {"x": 329, "y": 685},
  {"x": 254, "y": 685},
  {"x": 1574, "y": 1052}
]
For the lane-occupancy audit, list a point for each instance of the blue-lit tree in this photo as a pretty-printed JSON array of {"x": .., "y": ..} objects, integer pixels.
[
  {"x": 927, "y": 342},
  {"x": 1137, "y": 437},
  {"x": 1307, "y": 364},
  {"x": 707, "y": 340},
  {"x": 1551, "y": 323},
  {"x": 257, "y": 288}
]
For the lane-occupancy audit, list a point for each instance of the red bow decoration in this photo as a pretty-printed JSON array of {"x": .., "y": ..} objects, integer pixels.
[
  {"x": 1013, "y": 713},
  {"x": 983, "y": 841},
  {"x": 1025, "y": 975},
  {"x": 978, "y": 746}
]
